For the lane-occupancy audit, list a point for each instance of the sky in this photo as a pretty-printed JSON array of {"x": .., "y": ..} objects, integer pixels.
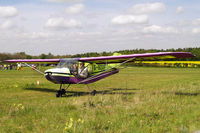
[{"x": 65, "y": 27}]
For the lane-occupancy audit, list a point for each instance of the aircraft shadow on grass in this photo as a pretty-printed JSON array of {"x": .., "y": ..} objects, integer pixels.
[
  {"x": 111, "y": 91},
  {"x": 41, "y": 89},
  {"x": 186, "y": 94},
  {"x": 182, "y": 93}
]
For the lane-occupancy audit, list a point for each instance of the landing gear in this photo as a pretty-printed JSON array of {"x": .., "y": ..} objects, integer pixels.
[
  {"x": 58, "y": 94},
  {"x": 93, "y": 93},
  {"x": 61, "y": 92}
]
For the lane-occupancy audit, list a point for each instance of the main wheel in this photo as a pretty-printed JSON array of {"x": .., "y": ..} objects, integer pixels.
[
  {"x": 94, "y": 92},
  {"x": 63, "y": 92}
]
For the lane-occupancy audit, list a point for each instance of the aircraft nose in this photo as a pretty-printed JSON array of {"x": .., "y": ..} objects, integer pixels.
[{"x": 48, "y": 73}]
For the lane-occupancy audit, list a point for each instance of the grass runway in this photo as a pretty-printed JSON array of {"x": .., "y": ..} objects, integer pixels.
[{"x": 138, "y": 99}]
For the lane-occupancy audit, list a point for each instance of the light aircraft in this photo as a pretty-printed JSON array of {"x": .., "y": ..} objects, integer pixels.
[{"x": 91, "y": 69}]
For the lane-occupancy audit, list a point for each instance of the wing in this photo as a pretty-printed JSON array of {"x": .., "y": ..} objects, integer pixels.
[
  {"x": 113, "y": 59},
  {"x": 46, "y": 61},
  {"x": 146, "y": 56}
]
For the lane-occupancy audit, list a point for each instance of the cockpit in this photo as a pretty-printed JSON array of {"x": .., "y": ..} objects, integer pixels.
[
  {"x": 71, "y": 64},
  {"x": 76, "y": 67}
]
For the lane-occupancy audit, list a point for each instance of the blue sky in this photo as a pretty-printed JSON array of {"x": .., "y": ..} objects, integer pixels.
[{"x": 79, "y": 26}]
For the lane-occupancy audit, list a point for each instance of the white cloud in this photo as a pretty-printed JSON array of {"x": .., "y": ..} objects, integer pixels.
[
  {"x": 39, "y": 35},
  {"x": 130, "y": 19},
  {"x": 61, "y": 1},
  {"x": 147, "y": 8},
  {"x": 179, "y": 10},
  {"x": 184, "y": 23},
  {"x": 7, "y": 25},
  {"x": 159, "y": 29},
  {"x": 61, "y": 23},
  {"x": 8, "y": 11},
  {"x": 196, "y": 30},
  {"x": 75, "y": 9},
  {"x": 196, "y": 22}
]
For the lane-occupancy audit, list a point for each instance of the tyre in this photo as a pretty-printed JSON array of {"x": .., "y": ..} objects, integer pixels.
[
  {"x": 94, "y": 92},
  {"x": 58, "y": 94}
]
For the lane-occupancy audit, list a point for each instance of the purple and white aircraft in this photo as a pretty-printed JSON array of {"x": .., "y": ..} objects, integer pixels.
[{"x": 91, "y": 69}]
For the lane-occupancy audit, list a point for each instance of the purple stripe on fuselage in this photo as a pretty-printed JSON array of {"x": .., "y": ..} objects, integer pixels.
[{"x": 58, "y": 79}]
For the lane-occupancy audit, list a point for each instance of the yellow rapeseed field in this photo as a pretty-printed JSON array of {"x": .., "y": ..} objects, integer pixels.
[{"x": 169, "y": 63}]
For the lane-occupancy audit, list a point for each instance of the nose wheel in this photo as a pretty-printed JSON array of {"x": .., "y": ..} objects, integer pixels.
[{"x": 61, "y": 92}]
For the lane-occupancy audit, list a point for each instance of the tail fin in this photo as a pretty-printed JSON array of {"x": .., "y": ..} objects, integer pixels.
[
  {"x": 114, "y": 64},
  {"x": 116, "y": 54}
]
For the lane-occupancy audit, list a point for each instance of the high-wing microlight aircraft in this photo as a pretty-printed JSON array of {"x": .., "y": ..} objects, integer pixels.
[{"x": 91, "y": 69}]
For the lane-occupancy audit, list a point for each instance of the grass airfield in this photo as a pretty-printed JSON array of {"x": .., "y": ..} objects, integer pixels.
[{"x": 138, "y": 99}]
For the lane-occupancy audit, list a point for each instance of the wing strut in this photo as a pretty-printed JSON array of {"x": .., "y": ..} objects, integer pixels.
[
  {"x": 106, "y": 70},
  {"x": 34, "y": 68}
]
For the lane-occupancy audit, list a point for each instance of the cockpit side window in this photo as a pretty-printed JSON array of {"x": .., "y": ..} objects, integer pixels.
[
  {"x": 67, "y": 63},
  {"x": 74, "y": 66}
]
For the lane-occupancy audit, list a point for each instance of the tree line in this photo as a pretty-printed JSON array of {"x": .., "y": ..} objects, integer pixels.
[{"x": 23, "y": 55}]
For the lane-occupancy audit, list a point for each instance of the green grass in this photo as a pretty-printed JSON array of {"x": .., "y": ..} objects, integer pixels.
[{"x": 136, "y": 100}]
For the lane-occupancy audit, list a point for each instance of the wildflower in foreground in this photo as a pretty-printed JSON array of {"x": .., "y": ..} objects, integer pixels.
[
  {"x": 71, "y": 120},
  {"x": 69, "y": 124},
  {"x": 22, "y": 107},
  {"x": 109, "y": 122},
  {"x": 18, "y": 106},
  {"x": 80, "y": 121}
]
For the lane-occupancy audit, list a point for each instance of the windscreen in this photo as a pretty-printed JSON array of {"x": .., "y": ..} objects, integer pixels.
[{"x": 71, "y": 64}]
